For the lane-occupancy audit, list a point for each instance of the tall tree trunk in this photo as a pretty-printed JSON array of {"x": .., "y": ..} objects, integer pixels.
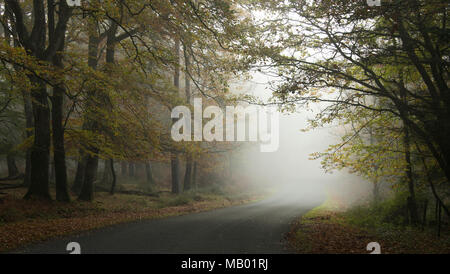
[
  {"x": 188, "y": 173},
  {"x": 175, "y": 161},
  {"x": 107, "y": 173},
  {"x": 194, "y": 175},
  {"x": 87, "y": 191},
  {"x": 13, "y": 171},
  {"x": 113, "y": 173},
  {"x": 376, "y": 186},
  {"x": 40, "y": 153},
  {"x": 38, "y": 46},
  {"x": 28, "y": 111},
  {"x": 59, "y": 153},
  {"x": 187, "y": 90},
  {"x": 51, "y": 170},
  {"x": 409, "y": 177},
  {"x": 149, "y": 174},
  {"x": 28, "y": 133},
  {"x": 110, "y": 53},
  {"x": 411, "y": 204},
  {"x": 91, "y": 164},
  {"x": 79, "y": 175},
  {"x": 175, "y": 171}
]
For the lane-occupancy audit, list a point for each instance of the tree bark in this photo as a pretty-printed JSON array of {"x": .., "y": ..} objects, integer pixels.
[
  {"x": 113, "y": 173},
  {"x": 194, "y": 175},
  {"x": 107, "y": 173},
  {"x": 91, "y": 162},
  {"x": 79, "y": 175},
  {"x": 188, "y": 173},
  {"x": 51, "y": 171},
  {"x": 40, "y": 153},
  {"x": 149, "y": 174},
  {"x": 38, "y": 46},
  {"x": 375, "y": 190},
  {"x": 28, "y": 111},
  {"x": 409, "y": 177},
  {"x": 59, "y": 153},
  {"x": 187, "y": 90},
  {"x": 175, "y": 170},
  {"x": 175, "y": 162},
  {"x": 28, "y": 133},
  {"x": 13, "y": 171},
  {"x": 87, "y": 191}
]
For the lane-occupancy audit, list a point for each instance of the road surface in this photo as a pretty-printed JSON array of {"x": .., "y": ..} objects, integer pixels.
[{"x": 252, "y": 228}]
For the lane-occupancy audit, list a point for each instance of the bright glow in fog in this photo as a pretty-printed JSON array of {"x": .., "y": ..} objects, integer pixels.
[{"x": 290, "y": 169}]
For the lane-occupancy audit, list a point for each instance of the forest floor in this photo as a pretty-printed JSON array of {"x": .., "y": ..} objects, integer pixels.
[
  {"x": 328, "y": 229},
  {"x": 24, "y": 222}
]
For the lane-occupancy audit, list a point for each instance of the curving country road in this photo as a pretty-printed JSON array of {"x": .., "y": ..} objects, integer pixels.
[{"x": 251, "y": 228}]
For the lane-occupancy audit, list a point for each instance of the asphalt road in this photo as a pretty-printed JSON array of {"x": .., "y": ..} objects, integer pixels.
[{"x": 251, "y": 228}]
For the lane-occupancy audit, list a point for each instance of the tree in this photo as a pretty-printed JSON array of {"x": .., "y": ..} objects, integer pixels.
[
  {"x": 43, "y": 48},
  {"x": 343, "y": 53},
  {"x": 101, "y": 69}
]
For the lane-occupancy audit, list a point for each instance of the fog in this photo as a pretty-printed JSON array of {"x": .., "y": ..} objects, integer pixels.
[{"x": 290, "y": 171}]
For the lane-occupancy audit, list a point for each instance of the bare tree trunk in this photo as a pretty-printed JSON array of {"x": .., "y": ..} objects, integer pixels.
[
  {"x": 59, "y": 154},
  {"x": 107, "y": 173},
  {"x": 194, "y": 175},
  {"x": 412, "y": 204},
  {"x": 38, "y": 46},
  {"x": 79, "y": 175},
  {"x": 375, "y": 190},
  {"x": 149, "y": 174},
  {"x": 29, "y": 125},
  {"x": 13, "y": 171},
  {"x": 188, "y": 173},
  {"x": 113, "y": 173},
  {"x": 409, "y": 177},
  {"x": 87, "y": 191},
  {"x": 51, "y": 171},
  {"x": 91, "y": 161},
  {"x": 40, "y": 154},
  {"x": 175, "y": 163},
  {"x": 187, "y": 84}
]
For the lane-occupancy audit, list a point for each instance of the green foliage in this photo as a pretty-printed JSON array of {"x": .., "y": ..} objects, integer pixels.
[
  {"x": 391, "y": 212},
  {"x": 117, "y": 101},
  {"x": 368, "y": 67}
]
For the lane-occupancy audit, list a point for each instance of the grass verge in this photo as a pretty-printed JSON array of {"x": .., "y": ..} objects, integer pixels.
[{"x": 329, "y": 230}]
